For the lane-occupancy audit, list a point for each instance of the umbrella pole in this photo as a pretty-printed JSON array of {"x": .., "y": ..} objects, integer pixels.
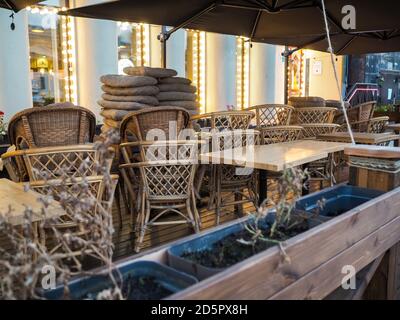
[{"x": 163, "y": 37}]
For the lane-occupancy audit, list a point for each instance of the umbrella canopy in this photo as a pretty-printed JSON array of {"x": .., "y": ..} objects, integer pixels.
[
  {"x": 297, "y": 23},
  {"x": 17, "y": 5}
]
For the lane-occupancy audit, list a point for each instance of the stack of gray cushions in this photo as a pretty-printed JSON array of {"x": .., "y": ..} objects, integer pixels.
[
  {"x": 143, "y": 87},
  {"x": 178, "y": 92}
]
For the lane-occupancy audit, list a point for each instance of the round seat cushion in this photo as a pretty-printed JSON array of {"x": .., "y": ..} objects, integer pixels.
[{"x": 120, "y": 81}]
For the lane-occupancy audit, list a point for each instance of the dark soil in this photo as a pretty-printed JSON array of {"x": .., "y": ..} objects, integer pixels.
[
  {"x": 144, "y": 288},
  {"x": 139, "y": 288},
  {"x": 228, "y": 251},
  {"x": 335, "y": 213}
]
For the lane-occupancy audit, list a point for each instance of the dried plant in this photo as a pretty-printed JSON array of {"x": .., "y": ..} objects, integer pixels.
[
  {"x": 89, "y": 234},
  {"x": 290, "y": 184}
]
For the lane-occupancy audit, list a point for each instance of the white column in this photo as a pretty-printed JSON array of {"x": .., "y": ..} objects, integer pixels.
[
  {"x": 220, "y": 72},
  {"x": 155, "y": 47},
  {"x": 266, "y": 74},
  {"x": 176, "y": 50},
  {"x": 15, "y": 83},
  {"x": 96, "y": 55}
]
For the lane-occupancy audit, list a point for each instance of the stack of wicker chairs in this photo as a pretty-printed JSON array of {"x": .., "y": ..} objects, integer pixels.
[{"x": 48, "y": 127}]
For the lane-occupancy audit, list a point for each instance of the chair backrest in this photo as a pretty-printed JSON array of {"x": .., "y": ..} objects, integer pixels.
[
  {"x": 312, "y": 130},
  {"x": 167, "y": 171},
  {"x": 136, "y": 125},
  {"x": 270, "y": 135},
  {"x": 378, "y": 124},
  {"x": 312, "y": 115},
  {"x": 51, "y": 126},
  {"x": 52, "y": 163},
  {"x": 361, "y": 112},
  {"x": 227, "y": 119},
  {"x": 94, "y": 192},
  {"x": 272, "y": 114}
]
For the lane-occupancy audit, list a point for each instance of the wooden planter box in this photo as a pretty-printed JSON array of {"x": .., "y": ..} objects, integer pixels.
[{"x": 317, "y": 257}]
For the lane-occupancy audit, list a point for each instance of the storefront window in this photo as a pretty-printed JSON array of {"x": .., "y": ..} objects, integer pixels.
[
  {"x": 133, "y": 45},
  {"x": 48, "y": 71},
  {"x": 384, "y": 70}
]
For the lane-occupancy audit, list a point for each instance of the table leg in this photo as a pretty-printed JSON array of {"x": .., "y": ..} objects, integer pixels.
[{"x": 262, "y": 186}]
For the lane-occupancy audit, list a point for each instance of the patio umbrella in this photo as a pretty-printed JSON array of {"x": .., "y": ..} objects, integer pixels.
[
  {"x": 17, "y": 5},
  {"x": 297, "y": 23}
]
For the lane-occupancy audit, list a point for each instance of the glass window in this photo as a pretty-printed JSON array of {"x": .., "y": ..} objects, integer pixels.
[
  {"x": 133, "y": 45},
  {"x": 46, "y": 61}
]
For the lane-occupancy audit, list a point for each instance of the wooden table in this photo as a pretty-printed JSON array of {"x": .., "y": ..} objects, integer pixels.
[
  {"x": 12, "y": 195},
  {"x": 396, "y": 128},
  {"x": 360, "y": 137},
  {"x": 274, "y": 157}
]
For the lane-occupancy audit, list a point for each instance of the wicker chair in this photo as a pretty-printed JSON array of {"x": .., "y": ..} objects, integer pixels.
[
  {"x": 73, "y": 171},
  {"x": 166, "y": 177},
  {"x": 225, "y": 120},
  {"x": 96, "y": 195},
  {"x": 230, "y": 178},
  {"x": 217, "y": 121},
  {"x": 49, "y": 127},
  {"x": 136, "y": 125},
  {"x": 373, "y": 125},
  {"x": 270, "y": 135},
  {"x": 272, "y": 114},
  {"x": 357, "y": 115},
  {"x": 306, "y": 115}
]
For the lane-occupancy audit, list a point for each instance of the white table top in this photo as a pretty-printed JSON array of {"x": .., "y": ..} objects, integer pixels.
[
  {"x": 275, "y": 157},
  {"x": 13, "y": 195}
]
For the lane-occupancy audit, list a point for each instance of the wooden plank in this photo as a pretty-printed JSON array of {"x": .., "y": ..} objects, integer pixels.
[
  {"x": 373, "y": 151},
  {"x": 363, "y": 278},
  {"x": 324, "y": 279},
  {"x": 306, "y": 251}
]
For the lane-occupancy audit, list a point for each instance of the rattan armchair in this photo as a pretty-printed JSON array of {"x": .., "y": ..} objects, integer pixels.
[
  {"x": 272, "y": 114},
  {"x": 357, "y": 115},
  {"x": 166, "y": 177},
  {"x": 373, "y": 125}
]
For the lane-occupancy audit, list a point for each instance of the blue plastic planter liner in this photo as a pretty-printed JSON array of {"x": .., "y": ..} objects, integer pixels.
[
  {"x": 340, "y": 198},
  {"x": 169, "y": 278}
]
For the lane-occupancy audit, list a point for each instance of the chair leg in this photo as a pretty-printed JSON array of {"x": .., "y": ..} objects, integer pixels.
[
  {"x": 141, "y": 224},
  {"x": 118, "y": 204},
  {"x": 239, "y": 207},
  {"x": 196, "y": 212},
  {"x": 191, "y": 216},
  {"x": 212, "y": 187},
  {"x": 218, "y": 203}
]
